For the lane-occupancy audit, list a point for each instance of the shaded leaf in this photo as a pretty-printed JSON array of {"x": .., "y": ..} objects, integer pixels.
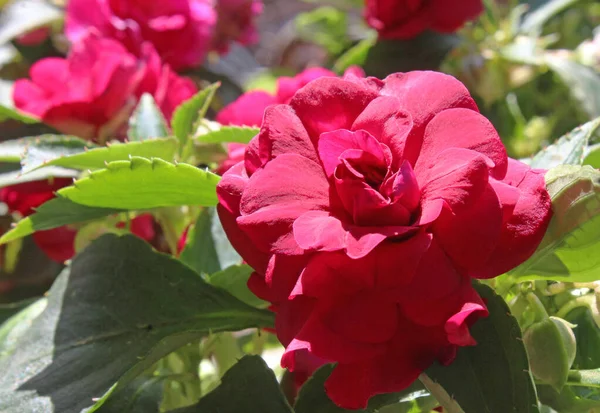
[
  {"x": 240, "y": 134},
  {"x": 356, "y": 55},
  {"x": 190, "y": 112},
  {"x": 234, "y": 280},
  {"x": 570, "y": 250},
  {"x": 535, "y": 20},
  {"x": 494, "y": 375},
  {"x": 41, "y": 155},
  {"x": 55, "y": 213},
  {"x": 143, "y": 184},
  {"x": 118, "y": 309},
  {"x": 15, "y": 114},
  {"x": 207, "y": 249},
  {"x": 17, "y": 177},
  {"x": 568, "y": 150},
  {"x": 142, "y": 395},
  {"x": 147, "y": 121},
  {"x": 587, "y": 336},
  {"x": 14, "y": 150},
  {"x": 249, "y": 386}
]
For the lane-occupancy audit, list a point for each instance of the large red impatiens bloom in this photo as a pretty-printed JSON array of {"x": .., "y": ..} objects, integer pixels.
[
  {"x": 94, "y": 89},
  {"x": 365, "y": 208},
  {"x": 58, "y": 243},
  {"x": 182, "y": 31},
  {"x": 404, "y": 19},
  {"x": 248, "y": 109}
]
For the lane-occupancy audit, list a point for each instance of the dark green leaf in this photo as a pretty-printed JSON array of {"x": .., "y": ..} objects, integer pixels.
[
  {"x": 143, "y": 184},
  {"x": 142, "y": 395},
  {"x": 147, "y": 121},
  {"x": 567, "y": 401},
  {"x": 187, "y": 115},
  {"x": 493, "y": 376},
  {"x": 568, "y": 150},
  {"x": 570, "y": 250},
  {"x": 234, "y": 280},
  {"x": 240, "y": 134},
  {"x": 22, "y": 16},
  {"x": 249, "y": 386},
  {"x": 207, "y": 249},
  {"x": 41, "y": 155},
  {"x": 118, "y": 309},
  {"x": 582, "y": 81},
  {"x": 587, "y": 335},
  {"x": 10, "y": 309},
  {"x": 55, "y": 213},
  {"x": 313, "y": 399},
  {"x": 17, "y": 325}
]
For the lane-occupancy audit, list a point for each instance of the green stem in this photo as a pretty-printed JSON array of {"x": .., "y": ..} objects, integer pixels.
[{"x": 537, "y": 307}]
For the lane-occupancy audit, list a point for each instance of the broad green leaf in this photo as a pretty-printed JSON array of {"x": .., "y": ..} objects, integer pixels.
[
  {"x": 582, "y": 81},
  {"x": 21, "y": 16},
  {"x": 356, "y": 55},
  {"x": 249, "y": 386},
  {"x": 143, "y": 184},
  {"x": 142, "y": 395},
  {"x": 41, "y": 155},
  {"x": 570, "y": 250},
  {"x": 493, "y": 376},
  {"x": 17, "y": 177},
  {"x": 14, "y": 150},
  {"x": 55, "y": 213},
  {"x": 234, "y": 280},
  {"x": 313, "y": 399},
  {"x": 592, "y": 156},
  {"x": 535, "y": 20},
  {"x": 207, "y": 249},
  {"x": 240, "y": 134},
  {"x": 9, "y": 309},
  {"x": 568, "y": 150},
  {"x": 118, "y": 309},
  {"x": 187, "y": 115},
  {"x": 14, "y": 114},
  {"x": 147, "y": 121}
]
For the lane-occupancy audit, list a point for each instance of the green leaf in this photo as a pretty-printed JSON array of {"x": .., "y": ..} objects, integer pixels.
[
  {"x": 566, "y": 401},
  {"x": 240, "y": 134},
  {"x": 143, "y": 184},
  {"x": 55, "y": 213},
  {"x": 234, "y": 280},
  {"x": 41, "y": 155},
  {"x": 582, "y": 81},
  {"x": 142, "y": 395},
  {"x": 187, "y": 115},
  {"x": 15, "y": 114},
  {"x": 249, "y": 386},
  {"x": 17, "y": 177},
  {"x": 207, "y": 248},
  {"x": 534, "y": 21},
  {"x": 313, "y": 399},
  {"x": 356, "y": 55},
  {"x": 592, "y": 156},
  {"x": 326, "y": 26},
  {"x": 587, "y": 336},
  {"x": 568, "y": 150},
  {"x": 118, "y": 309},
  {"x": 14, "y": 327},
  {"x": 22, "y": 16},
  {"x": 9, "y": 309},
  {"x": 493, "y": 376},
  {"x": 147, "y": 121},
  {"x": 570, "y": 250}
]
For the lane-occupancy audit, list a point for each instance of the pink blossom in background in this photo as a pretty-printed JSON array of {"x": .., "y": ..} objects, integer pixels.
[
  {"x": 182, "y": 31},
  {"x": 97, "y": 85},
  {"x": 404, "y": 19}
]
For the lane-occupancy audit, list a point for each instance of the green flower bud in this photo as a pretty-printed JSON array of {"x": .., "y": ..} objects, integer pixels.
[{"x": 551, "y": 348}]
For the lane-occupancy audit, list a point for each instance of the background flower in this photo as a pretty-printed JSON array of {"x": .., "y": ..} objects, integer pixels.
[
  {"x": 403, "y": 19},
  {"x": 97, "y": 86},
  {"x": 365, "y": 207}
]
